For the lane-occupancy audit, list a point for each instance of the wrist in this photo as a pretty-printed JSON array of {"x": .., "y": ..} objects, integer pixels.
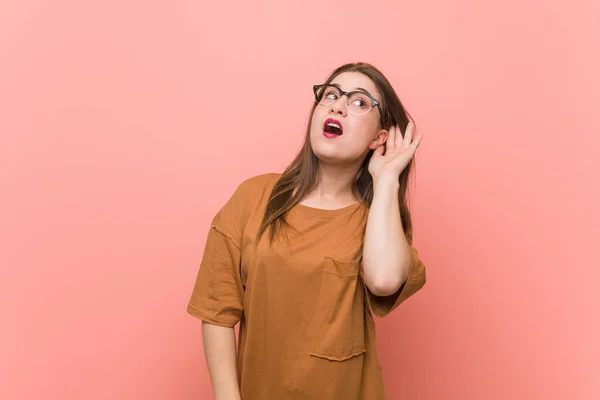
[{"x": 385, "y": 180}]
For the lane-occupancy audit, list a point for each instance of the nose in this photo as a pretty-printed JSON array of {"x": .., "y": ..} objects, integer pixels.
[{"x": 339, "y": 107}]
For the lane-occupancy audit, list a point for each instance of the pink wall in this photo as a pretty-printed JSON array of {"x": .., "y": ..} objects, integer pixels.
[{"x": 124, "y": 125}]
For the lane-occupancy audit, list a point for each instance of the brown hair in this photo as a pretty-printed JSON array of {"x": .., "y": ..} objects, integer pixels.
[{"x": 301, "y": 175}]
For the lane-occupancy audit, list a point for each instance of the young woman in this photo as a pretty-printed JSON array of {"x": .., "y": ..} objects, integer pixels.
[{"x": 304, "y": 259}]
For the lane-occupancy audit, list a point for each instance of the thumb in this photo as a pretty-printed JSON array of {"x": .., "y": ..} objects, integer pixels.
[{"x": 379, "y": 150}]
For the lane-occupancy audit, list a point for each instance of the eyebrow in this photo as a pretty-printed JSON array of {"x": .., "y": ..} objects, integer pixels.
[{"x": 358, "y": 88}]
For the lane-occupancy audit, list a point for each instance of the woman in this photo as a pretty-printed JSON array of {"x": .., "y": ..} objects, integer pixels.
[{"x": 304, "y": 259}]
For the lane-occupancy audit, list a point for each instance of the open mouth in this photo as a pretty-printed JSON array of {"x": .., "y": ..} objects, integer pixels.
[{"x": 333, "y": 127}]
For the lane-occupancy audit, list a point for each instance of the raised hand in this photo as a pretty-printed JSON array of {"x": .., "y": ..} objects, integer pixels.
[{"x": 398, "y": 153}]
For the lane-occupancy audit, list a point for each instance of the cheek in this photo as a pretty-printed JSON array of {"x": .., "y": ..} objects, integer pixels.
[
  {"x": 314, "y": 123},
  {"x": 363, "y": 131}
]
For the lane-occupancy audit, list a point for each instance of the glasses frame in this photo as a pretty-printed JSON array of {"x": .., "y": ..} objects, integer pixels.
[{"x": 374, "y": 103}]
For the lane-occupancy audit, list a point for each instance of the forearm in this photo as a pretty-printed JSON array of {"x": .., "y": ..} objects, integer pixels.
[
  {"x": 386, "y": 252},
  {"x": 220, "y": 353}
]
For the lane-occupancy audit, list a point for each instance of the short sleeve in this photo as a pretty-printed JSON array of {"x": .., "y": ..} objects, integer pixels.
[
  {"x": 218, "y": 292},
  {"x": 383, "y": 305}
]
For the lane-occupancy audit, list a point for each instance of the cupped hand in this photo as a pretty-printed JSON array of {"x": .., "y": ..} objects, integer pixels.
[{"x": 399, "y": 150}]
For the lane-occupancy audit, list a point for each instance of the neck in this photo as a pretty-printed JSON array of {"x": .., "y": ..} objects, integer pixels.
[{"x": 335, "y": 183}]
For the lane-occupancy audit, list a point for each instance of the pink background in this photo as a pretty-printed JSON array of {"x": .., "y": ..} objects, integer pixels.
[{"x": 125, "y": 125}]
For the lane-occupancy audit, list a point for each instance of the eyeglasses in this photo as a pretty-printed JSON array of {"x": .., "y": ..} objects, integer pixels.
[{"x": 358, "y": 103}]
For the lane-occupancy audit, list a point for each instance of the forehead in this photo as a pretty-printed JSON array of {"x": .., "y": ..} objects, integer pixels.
[{"x": 349, "y": 81}]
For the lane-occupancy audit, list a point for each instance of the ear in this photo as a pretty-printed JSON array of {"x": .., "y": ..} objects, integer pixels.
[{"x": 380, "y": 139}]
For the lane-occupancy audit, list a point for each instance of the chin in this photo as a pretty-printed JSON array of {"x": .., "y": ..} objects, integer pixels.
[
  {"x": 331, "y": 155},
  {"x": 325, "y": 153}
]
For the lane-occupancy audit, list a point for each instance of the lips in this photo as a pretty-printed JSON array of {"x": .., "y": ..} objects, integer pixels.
[{"x": 329, "y": 126}]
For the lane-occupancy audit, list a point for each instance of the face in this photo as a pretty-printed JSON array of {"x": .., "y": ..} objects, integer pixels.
[{"x": 360, "y": 133}]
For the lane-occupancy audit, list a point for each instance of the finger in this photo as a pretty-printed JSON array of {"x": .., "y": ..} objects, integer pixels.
[
  {"x": 379, "y": 150},
  {"x": 408, "y": 134},
  {"x": 391, "y": 141},
  {"x": 397, "y": 135},
  {"x": 417, "y": 141}
]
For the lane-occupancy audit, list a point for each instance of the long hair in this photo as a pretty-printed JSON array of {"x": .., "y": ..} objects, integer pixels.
[{"x": 302, "y": 175}]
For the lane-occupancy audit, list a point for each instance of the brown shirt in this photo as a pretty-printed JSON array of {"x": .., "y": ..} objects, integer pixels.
[{"x": 307, "y": 329}]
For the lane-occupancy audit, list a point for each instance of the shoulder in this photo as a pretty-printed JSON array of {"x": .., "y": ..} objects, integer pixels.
[
  {"x": 256, "y": 186},
  {"x": 248, "y": 197},
  {"x": 261, "y": 181}
]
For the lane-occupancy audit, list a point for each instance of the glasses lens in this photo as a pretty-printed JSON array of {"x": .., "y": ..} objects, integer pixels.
[
  {"x": 327, "y": 95},
  {"x": 359, "y": 103}
]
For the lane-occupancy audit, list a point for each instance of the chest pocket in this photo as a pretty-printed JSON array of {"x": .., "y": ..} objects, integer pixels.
[{"x": 338, "y": 326}]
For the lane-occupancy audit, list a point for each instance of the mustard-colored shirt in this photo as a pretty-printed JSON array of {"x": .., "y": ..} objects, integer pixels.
[{"x": 306, "y": 316}]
